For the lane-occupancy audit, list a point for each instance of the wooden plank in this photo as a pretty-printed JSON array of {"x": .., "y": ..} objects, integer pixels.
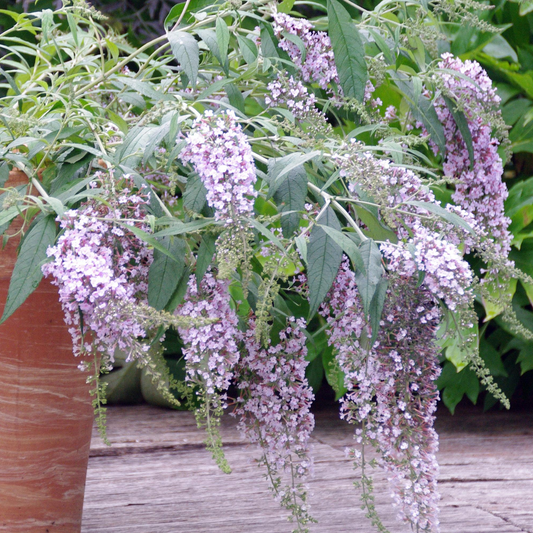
[{"x": 158, "y": 478}]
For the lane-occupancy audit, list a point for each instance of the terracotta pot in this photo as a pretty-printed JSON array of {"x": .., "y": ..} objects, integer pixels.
[{"x": 45, "y": 413}]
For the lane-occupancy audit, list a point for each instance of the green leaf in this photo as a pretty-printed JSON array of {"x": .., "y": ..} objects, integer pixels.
[
  {"x": 519, "y": 205},
  {"x": 502, "y": 292},
  {"x": 279, "y": 168},
  {"x": 348, "y": 50},
  {"x": 222, "y": 32},
  {"x": 7, "y": 215},
  {"x": 285, "y": 6},
  {"x": 368, "y": 279},
  {"x": 187, "y": 52},
  {"x": 73, "y": 28},
  {"x": 10, "y": 80},
  {"x": 462, "y": 124},
  {"x": 235, "y": 97},
  {"x": 194, "y": 6},
  {"x": 348, "y": 246},
  {"x": 525, "y": 358},
  {"x": 165, "y": 272},
  {"x": 194, "y": 197},
  {"x": 492, "y": 358},
  {"x": 456, "y": 384},
  {"x": 526, "y": 6},
  {"x": 375, "y": 227},
  {"x": 499, "y": 48},
  {"x": 27, "y": 272},
  {"x": 179, "y": 293},
  {"x": 155, "y": 139},
  {"x": 4, "y": 173},
  {"x": 248, "y": 49},
  {"x": 324, "y": 257},
  {"x": 376, "y": 308},
  {"x": 453, "y": 218},
  {"x": 382, "y": 45},
  {"x": 68, "y": 172},
  {"x": 209, "y": 37},
  {"x": 267, "y": 233},
  {"x": 214, "y": 87},
  {"x": 301, "y": 244},
  {"x": 136, "y": 141},
  {"x": 206, "y": 251},
  {"x": 270, "y": 45},
  {"x": 179, "y": 228},
  {"x": 291, "y": 196},
  {"x": 144, "y": 88},
  {"x": 151, "y": 239},
  {"x": 334, "y": 375},
  {"x": 423, "y": 110},
  {"x": 314, "y": 373}
]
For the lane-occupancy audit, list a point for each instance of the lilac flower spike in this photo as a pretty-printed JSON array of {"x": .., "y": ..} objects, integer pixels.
[
  {"x": 220, "y": 153},
  {"x": 319, "y": 63},
  {"x": 98, "y": 262},
  {"x": 391, "y": 388},
  {"x": 211, "y": 351},
  {"x": 481, "y": 190}
]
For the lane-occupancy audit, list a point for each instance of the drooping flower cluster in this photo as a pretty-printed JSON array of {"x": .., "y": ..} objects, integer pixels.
[
  {"x": 211, "y": 350},
  {"x": 446, "y": 274},
  {"x": 480, "y": 190},
  {"x": 274, "y": 410},
  {"x": 97, "y": 264},
  {"x": 319, "y": 63},
  {"x": 221, "y": 155},
  {"x": 391, "y": 388}
]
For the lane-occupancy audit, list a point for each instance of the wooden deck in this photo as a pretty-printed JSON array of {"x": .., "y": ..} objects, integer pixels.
[{"x": 157, "y": 478}]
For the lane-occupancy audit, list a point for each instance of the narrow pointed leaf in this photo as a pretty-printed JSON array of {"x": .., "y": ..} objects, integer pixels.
[
  {"x": 348, "y": 50},
  {"x": 27, "y": 272},
  {"x": 291, "y": 196},
  {"x": 248, "y": 49},
  {"x": 222, "y": 32},
  {"x": 187, "y": 52},
  {"x": 462, "y": 125},
  {"x": 194, "y": 197},
  {"x": 423, "y": 110},
  {"x": 235, "y": 97},
  {"x": 348, "y": 246},
  {"x": 166, "y": 272},
  {"x": 324, "y": 257},
  {"x": 376, "y": 308},
  {"x": 205, "y": 256},
  {"x": 446, "y": 215},
  {"x": 367, "y": 283}
]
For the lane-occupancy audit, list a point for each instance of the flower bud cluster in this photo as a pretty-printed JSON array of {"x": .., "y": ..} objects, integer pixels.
[
  {"x": 220, "y": 153},
  {"x": 97, "y": 261}
]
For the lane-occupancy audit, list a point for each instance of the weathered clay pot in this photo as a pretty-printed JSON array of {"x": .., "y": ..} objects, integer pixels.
[{"x": 45, "y": 413}]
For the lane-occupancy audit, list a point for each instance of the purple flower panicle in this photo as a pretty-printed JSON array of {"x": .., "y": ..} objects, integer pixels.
[{"x": 220, "y": 153}]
